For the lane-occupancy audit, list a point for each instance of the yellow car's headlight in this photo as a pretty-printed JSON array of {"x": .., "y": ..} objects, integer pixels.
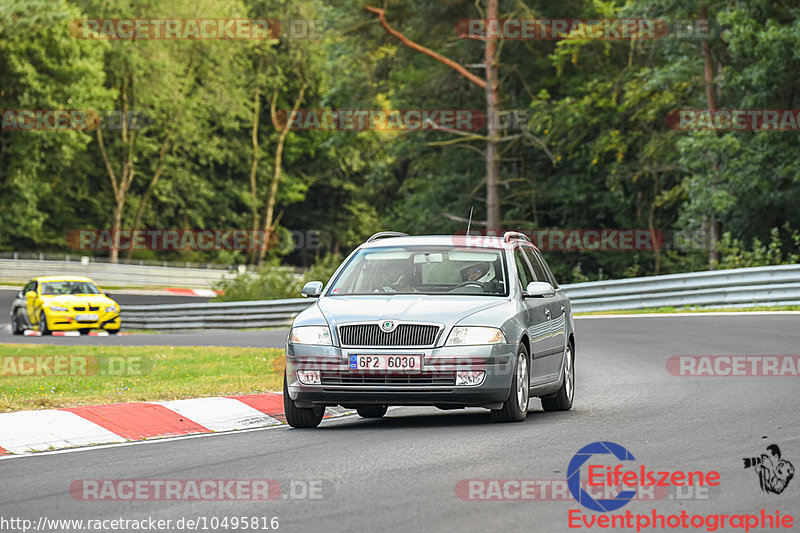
[
  {"x": 58, "y": 308},
  {"x": 311, "y": 335},
  {"x": 474, "y": 335},
  {"x": 111, "y": 309}
]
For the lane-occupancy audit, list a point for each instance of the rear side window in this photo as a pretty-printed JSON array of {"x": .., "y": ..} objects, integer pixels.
[
  {"x": 542, "y": 262},
  {"x": 523, "y": 270},
  {"x": 538, "y": 269}
]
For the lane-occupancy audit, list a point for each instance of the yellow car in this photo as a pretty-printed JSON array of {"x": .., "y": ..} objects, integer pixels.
[{"x": 58, "y": 303}]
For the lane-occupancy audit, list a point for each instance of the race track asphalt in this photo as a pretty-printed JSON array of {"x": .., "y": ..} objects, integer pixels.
[{"x": 400, "y": 473}]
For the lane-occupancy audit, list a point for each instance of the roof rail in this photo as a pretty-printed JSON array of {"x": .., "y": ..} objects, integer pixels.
[
  {"x": 383, "y": 234},
  {"x": 507, "y": 236}
]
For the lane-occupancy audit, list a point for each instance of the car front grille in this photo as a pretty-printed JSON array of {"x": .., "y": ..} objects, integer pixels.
[
  {"x": 94, "y": 308},
  {"x": 347, "y": 379},
  {"x": 402, "y": 335},
  {"x": 79, "y": 308}
]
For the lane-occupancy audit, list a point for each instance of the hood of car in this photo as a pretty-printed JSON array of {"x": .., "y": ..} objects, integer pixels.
[
  {"x": 71, "y": 300},
  {"x": 446, "y": 310}
]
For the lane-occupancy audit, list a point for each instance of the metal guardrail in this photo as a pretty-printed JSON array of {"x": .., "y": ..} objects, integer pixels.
[
  {"x": 230, "y": 315},
  {"x": 767, "y": 286},
  {"x": 21, "y": 270},
  {"x": 741, "y": 287}
]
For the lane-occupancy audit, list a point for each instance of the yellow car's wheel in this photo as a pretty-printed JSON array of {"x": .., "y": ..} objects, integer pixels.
[{"x": 43, "y": 324}]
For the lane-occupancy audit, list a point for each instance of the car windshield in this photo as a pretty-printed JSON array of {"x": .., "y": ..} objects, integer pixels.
[
  {"x": 68, "y": 287},
  {"x": 423, "y": 269}
]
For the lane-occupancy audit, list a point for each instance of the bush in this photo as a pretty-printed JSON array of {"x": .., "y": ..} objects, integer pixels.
[
  {"x": 273, "y": 282},
  {"x": 734, "y": 254}
]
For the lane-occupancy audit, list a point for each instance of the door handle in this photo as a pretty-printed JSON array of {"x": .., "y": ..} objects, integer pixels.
[
  {"x": 547, "y": 312},
  {"x": 563, "y": 308}
]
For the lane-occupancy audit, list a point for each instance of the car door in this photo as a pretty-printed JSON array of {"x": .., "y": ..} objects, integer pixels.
[
  {"x": 558, "y": 305},
  {"x": 538, "y": 326},
  {"x": 550, "y": 362}
]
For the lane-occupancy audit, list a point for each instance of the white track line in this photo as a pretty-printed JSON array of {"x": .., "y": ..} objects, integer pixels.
[{"x": 691, "y": 314}]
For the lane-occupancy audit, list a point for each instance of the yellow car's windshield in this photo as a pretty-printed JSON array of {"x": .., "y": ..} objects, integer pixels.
[{"x": 68, "y": 287}]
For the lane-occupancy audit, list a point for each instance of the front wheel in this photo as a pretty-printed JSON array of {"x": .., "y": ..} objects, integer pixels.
[
  {"x": 300, "y": 417},
  {"x": 515, "y": 409},
  {"x": 562, "y": 400},
  {"x": 371, "y": 411},
  {"x": 43, "y": 324}
]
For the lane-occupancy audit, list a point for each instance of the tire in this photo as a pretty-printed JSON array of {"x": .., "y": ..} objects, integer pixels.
[
  {"x": 112, "y": 331},
  {"x": 85, "y": 331},
  {"x": 562, "y": 400},
  {"x": 15, "y": 330},
  {"x": 371, "y": 411},
  {"x": 300, "y": 417},
  {"x": 515, "y": 409},
  {"x": 43, "y": 324}
]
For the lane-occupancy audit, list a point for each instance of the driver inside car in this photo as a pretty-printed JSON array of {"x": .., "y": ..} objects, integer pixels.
[
  {"x": 475, "y": 272},
  {"x": 395, "y": 277}
]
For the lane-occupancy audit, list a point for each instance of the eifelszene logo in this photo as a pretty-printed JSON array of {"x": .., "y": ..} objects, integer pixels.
[{"x": 774, "y": 473}]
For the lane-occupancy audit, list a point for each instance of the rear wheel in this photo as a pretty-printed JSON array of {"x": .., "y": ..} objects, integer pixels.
[
  {"x": 300, "y": 417},
  {"x": 15, "y": 329},
  {"x": 43, "y": 324},
  {"x": 371, "y": 411},
  {"x": 562, "y": 400},
  {"x": 515, "y": 409}
]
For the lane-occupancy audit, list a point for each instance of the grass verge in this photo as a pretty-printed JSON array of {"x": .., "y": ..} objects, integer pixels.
[{"x": 48, "y": 377}]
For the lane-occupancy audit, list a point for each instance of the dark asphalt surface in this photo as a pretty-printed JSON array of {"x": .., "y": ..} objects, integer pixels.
[{"x": 399, "y": 473}]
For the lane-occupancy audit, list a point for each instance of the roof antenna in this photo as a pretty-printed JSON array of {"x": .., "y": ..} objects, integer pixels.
[{"x": 469, "y": 223}]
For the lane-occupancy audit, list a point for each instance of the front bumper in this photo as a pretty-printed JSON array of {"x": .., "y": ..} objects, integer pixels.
[
  {"x": 433, "y": 385},
  {"x": 67, "y": 321}
]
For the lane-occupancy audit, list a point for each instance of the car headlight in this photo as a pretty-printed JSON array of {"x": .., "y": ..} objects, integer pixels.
[
  {"x": 311, "y": 335},
  {"x": 57, "y": 308},
  {"x": 473, "y": 335},
  {"x": 111, "y": 309}
]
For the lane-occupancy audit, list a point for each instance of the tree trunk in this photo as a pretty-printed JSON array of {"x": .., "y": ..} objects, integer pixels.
[
  {"x": 493, "y": 212},
  {"x": 711, "y": 226},
  {"x": 254, "y": 167},
  {"x": 269, "y": 224}
]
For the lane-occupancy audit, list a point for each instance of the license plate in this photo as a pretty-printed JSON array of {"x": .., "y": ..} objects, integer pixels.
[
  {"x": 401, "y": 363},
  {"x": 91, "y": 317}
]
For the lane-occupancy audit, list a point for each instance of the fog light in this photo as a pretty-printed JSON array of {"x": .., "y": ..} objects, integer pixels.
[
  {"x": 308, "y": 377},
  {"x": 470, "y": 377}
]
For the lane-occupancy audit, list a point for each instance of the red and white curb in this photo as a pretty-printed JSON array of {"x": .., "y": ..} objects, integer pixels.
[
  {"x": 208, "y": 293},
  {"x": 35, "y": 431}
]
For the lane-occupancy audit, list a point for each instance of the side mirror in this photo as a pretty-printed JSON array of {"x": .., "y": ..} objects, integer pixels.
[
  {"x": 539, "y": 289},
  {"x": 312, "y": 288},
  {"x": 30, "y": 295}
]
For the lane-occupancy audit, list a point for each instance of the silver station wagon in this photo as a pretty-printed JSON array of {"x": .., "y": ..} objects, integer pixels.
[{"x": 447, "y": 321}]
